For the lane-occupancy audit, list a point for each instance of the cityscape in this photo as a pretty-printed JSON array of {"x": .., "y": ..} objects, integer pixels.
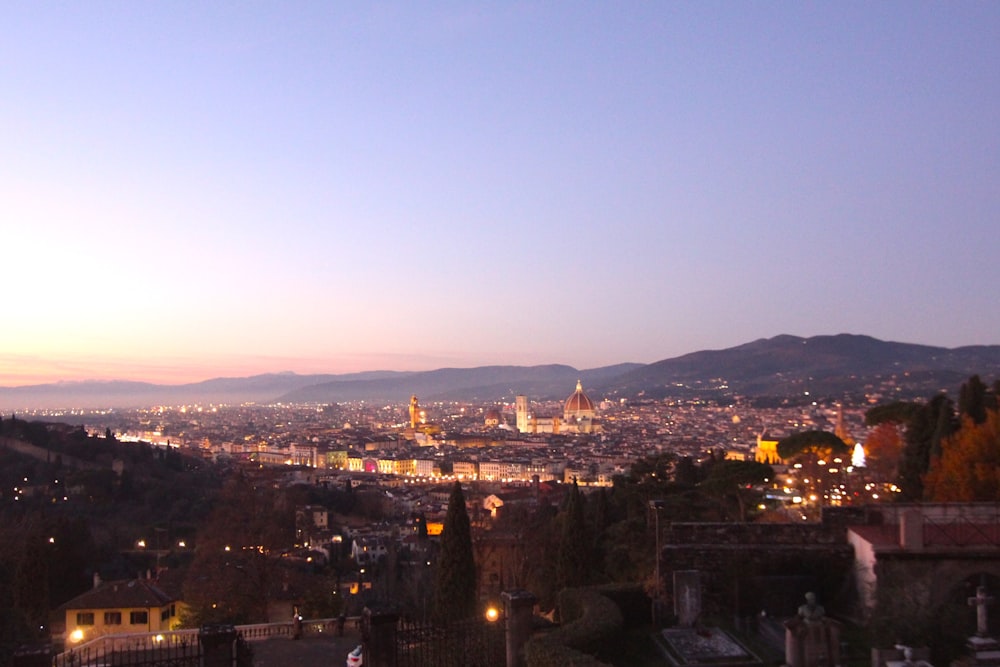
[
  {"x": 508, "y": 334},
  {"x": 253, "y": 514},
  {"x": 447, "y": 441}
]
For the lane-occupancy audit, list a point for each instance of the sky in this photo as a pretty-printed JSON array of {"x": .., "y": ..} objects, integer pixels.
[{"x": 192, "y": 190}]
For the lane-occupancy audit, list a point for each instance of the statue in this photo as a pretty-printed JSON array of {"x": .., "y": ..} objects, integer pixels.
[
  {"x": 811, "y": 612},
  {"x": 910, "y": 660}
]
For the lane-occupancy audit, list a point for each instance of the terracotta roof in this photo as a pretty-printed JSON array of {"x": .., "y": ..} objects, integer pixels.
[
  {"x": 578, "y": 401},
  {"x": 124, "y": 594}
]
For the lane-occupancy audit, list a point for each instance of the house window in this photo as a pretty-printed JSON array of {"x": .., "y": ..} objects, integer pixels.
[
  {"x": 138, "y": 617},
  {"x": 112, "y": 618},
  {"x": 164, "y": 615},
  {"x": 85, "y": 618}
]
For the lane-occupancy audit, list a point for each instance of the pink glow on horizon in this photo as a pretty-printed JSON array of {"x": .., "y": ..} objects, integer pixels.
[{"x": 18, "y": 371}]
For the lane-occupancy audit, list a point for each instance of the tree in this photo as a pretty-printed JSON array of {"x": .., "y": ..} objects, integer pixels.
[
  {"x": 234, "y": 572},
  {"x": 421, "y": 524},
  {"x": 600, "y": 512},
  {"x": 928, "y": 426},
  {"x": 883, "y": 449},
  {"x": 972, "y": 400},
  {"x": 737, "y": 481},
  {"x": 573, "y": 560},
  {"x": 822, "y": 443},
  {"x": 968, "y": 469},
  {"x": 455, "y": 584},
  {"x": 686, "y": 472},
  {"x": 658, "y": 467},
  {"x": 898, "y": 412},
  {"x": 32, "y": 575}
]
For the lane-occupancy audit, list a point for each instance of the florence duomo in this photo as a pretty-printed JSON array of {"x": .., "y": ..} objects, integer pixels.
[{"x": 578, "y": 416}]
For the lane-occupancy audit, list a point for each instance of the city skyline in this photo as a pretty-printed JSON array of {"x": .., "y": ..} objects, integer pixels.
[{"x": 200, "y": 191}]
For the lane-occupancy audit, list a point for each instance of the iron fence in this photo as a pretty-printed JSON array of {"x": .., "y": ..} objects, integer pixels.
[
  {"x": 168, "y": 655},
  {"x": 471, "y": 643},
  {"x": 223, "y": 646}
]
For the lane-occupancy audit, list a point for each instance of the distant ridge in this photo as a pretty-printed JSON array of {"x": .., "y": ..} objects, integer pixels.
[
  {"x": 842, "y": 365},
  {"x": 824, "y": 365},
  {"x": 484, "y": 383}
]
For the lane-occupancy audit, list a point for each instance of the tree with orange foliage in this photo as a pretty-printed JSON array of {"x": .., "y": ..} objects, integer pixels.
[
  {"x": 883, "y": 449},
  {"x": 968, "y": 469}
]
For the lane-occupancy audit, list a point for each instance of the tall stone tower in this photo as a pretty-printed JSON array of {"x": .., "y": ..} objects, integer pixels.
[
  {"x": 414, "y": 411},
  {"x": 521, "y": 410},
  {"x": 840, "y": 430}
]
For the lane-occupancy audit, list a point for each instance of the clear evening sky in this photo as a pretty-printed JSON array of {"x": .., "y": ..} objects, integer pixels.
[{"x": 197, "y": 189}]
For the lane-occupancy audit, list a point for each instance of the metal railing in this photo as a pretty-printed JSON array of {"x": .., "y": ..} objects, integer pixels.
[
  {"x": 475, "y": 642},
  {"x": 181, "y": 642}
]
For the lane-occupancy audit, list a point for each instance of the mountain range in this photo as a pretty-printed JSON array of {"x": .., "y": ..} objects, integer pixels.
[{"x": 780, "y": 368}]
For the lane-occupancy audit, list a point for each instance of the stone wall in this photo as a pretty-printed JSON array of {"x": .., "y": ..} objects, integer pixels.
[{"x": 749, "y": 568}]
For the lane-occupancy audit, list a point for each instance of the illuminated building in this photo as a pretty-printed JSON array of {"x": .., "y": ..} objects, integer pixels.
[{"x": 577, "y": 417}]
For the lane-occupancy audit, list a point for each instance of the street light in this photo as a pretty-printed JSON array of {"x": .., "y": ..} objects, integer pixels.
[{"x": 656, "y": 506}]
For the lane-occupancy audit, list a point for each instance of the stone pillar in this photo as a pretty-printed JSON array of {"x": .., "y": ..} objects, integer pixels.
[
  {"x": 815, "y": 644},
  {"x": 911, "y": 530},
  {"x": 518, "y": 608},
  {"x": 378, "y": 632},
  {"x": 218, "y": 645}
]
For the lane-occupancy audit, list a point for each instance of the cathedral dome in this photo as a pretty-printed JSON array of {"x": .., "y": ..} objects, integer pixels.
[{"x": 578, "y": 404}]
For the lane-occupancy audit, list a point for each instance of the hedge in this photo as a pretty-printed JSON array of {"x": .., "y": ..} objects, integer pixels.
[{"x": 590, "y": 622}]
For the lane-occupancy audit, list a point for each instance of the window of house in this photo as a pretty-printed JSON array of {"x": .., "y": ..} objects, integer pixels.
[
  {"x": 138, "y": 617},
  {"x": 85, "y": 618},
  {"x": 112, "y": 618}
]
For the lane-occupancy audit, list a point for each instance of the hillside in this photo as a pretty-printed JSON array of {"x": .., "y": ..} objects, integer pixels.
[
  {"x": 822, "y": 365},
  {"x": 784, "y": 366}
]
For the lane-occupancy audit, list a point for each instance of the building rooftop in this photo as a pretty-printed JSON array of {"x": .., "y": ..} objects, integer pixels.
[{"x": 122, "y": 594}]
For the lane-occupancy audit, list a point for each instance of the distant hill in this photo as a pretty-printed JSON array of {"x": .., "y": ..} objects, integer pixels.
[
  {"x": 785, "y": 366},
  {"x": 485, "y": 383},
  {"x": 822, "y": 365},
  {"x": 119, "y": 394}
]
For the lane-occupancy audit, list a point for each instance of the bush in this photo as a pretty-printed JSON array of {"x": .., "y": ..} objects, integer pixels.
[{"x": 590, "y": 622}]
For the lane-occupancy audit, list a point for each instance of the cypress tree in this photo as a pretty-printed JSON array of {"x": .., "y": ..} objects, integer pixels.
[
  {"x": 421, "y": 528},
  {"x": 972, "y": 400},
  {"x": 573, "y": 561},
  {"x": 455, "y": 586},
  {"x": 928, "y": 426}
]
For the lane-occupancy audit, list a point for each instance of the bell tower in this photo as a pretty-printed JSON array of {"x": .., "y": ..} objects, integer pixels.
[
  {"x": 521, "y": 411},
  {"x": 414, "y": 411}
]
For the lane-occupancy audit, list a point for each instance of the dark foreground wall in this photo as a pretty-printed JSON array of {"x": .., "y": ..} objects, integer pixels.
[{"x": 749, "y": 568}]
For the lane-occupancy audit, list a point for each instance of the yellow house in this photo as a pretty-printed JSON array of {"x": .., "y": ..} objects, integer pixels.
[{"x": 114, "y": 607}]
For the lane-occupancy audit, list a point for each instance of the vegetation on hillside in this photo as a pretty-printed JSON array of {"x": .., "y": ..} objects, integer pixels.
[
  {"x": 73, "y": 505},
  {"x": 947, "y": 454}
]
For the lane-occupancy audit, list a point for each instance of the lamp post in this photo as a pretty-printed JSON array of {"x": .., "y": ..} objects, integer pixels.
[{"x": 656, "y": 506}]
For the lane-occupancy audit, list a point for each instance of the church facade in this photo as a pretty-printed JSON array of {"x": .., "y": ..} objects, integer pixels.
[{"x": 578, "y": 415}]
